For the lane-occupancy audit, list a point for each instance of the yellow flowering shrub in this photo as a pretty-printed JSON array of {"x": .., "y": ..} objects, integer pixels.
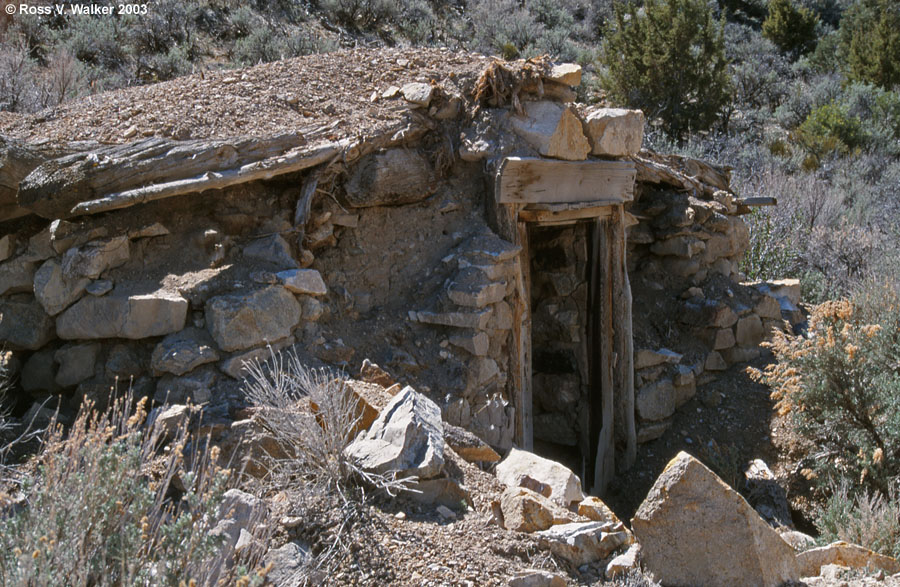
[{"x": 840, "y": 383}]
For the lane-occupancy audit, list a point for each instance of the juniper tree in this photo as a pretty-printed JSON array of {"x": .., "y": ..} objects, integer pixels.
[
  {"x": 792, "y": 28},
  {"x": 870, "y": 42},
  {"x": 668, "y": 59}
]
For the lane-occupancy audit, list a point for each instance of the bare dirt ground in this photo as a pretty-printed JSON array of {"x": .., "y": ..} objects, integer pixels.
[{"x": 329, "y": 95}]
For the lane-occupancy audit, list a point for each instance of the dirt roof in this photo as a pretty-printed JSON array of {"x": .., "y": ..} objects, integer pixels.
[{"x": 269, "y": 99}]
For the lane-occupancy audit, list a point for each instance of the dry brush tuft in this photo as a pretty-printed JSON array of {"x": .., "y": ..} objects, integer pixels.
[{"x": 313, "y": 415}]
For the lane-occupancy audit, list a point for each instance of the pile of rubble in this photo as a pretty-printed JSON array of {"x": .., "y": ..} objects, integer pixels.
[{"x": 691, "y": 529}]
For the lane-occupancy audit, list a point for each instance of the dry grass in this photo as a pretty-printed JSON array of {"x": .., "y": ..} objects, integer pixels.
[{"x": 867, "y": 519}]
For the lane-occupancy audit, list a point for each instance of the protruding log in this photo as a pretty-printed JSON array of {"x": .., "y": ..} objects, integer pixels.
[
  {"x": 17, "y": 160},
  {"x": 154, "y": 166}
]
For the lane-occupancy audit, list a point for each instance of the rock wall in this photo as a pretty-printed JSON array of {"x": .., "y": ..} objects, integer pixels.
[
  {"x": 382, "y": 252},
  {"x": 695, "y": 313}
]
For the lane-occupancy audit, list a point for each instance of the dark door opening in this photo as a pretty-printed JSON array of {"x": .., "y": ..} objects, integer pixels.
[{"x": 561, "y": 368}]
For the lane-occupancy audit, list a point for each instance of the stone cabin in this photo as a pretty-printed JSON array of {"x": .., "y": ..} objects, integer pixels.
[{"x": 460, "y": 221}]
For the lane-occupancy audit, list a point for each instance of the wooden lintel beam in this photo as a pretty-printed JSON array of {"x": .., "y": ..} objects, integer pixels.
[
  {"x": 528, "y": 180},
  {"x": 552, "y": 217}
]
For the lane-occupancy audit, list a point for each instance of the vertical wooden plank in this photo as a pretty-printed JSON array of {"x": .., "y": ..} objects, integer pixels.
[
  {"x": 525, "y": 407},
  {"x": 627, "y": 434},
  {"x": 604, "y": 356},
  {"x": 586, "y": 441},
  {"x": 502, "y": 218}
]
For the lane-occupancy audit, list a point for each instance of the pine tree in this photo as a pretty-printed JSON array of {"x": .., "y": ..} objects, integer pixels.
[
  {"x": 668, "y": 59},
  {"x": 791, "y": 28}
]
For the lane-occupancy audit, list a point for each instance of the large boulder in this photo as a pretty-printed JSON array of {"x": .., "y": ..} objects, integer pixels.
[
  {"x": 615, "y": 132},
  {"x": 695, "y": 530},
  {"x": 123, "y": 316},
  {"x": 407, "y": 437},
  {"x": 553, "y": 129},
  {"x": 24, "y": 325},
  {"x": 524, "y": 469},
  {"x": 389, "y": 178},
  {"x": 241, "y": 321}
]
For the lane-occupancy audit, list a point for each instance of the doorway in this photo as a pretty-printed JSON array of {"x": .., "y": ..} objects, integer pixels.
[{"x": 561, "y": 367}]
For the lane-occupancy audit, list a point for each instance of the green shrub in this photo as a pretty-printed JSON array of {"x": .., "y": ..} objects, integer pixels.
[
  {"x": 829, "y": 129},
  {"x": 758, "y": 71},
  {"x": 18, "y": 71},
  {"x": 773, "y": 249},
  {"x": 97, "y": 41},
  {"x": 825, "y": 58},
  {"x": 870, "y": 41},
  {"x": 165, "y": 66},
  {"x": 668, "y": 59},
  {"x": 879, "y": 113},
  {"x": 841, "y": 385},
  {"x": 505, "y": 27},
  {"x": 418, "y": 22},
  {"x": 790, "y": 27},
  {"x": 262, "y": 45}
]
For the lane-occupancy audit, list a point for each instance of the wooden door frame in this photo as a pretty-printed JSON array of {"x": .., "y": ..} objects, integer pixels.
[{"x": 544, "y": 192}]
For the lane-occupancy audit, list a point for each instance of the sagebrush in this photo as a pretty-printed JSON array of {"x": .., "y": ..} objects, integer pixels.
[{"x": 98, "y": 507}]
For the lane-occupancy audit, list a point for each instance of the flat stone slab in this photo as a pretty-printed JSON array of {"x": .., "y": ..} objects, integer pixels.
[
  {"x": 123, "y": 316},
  {"x": 303, "y": 281}
]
